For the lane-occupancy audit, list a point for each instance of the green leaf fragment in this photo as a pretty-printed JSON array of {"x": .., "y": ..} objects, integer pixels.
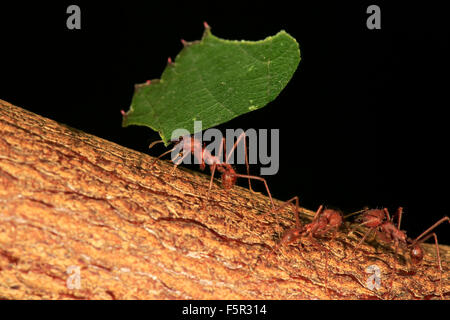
[{"x": 214, "y": 80}]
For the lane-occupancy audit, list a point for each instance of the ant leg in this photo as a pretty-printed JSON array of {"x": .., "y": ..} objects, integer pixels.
[
  {"x": 442, "y": 220},
  {"x": 438, "y": 258},
  {"x": 326, "y": 270},
  {"x": 265, "y": 184},
  {"x": 213, "y": 170},
  {"x": 439, "y": 262},
  {"x": 247, "y": 165},
  {"x": 214, "y": 165},
  {"x": 394, "y": 270},
  {"x": 352, "y": 229},
  {"x": 363, "y": 238},
  {"x": 234, "y": 146},
  {"x": 399, "y": 215},
  {"x": 210, "y": 183},
  {"x": 222, "y": 145},
  {"x": 334, "y": 234},
  {"x": 327, "y": 253},
  {"x": 386, "y": 212},
  {"x": 423, "y": 237},
  {"x": 162, "y": 155},
  {"x": 292, "y": 234},
  {"x": 178, "y": 162},
  {"x": 297, "y": 220},
  {"x": 318, "y": 212},
  {"x": 267, "y": 189},
  {"x": 328, "y": 256},
  {"x": 242, "y": 136}
]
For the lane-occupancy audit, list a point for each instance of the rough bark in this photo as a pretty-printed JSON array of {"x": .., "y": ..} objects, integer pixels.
[{"x": 72, "y": 200}]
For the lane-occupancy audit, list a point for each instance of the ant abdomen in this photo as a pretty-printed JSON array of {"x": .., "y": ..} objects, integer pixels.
[{"x": 416, "y": 254}]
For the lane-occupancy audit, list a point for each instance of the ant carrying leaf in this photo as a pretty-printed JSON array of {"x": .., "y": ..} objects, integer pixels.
[{"x": 188, "y": 145}]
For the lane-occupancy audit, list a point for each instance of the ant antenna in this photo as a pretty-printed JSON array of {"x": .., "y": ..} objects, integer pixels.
[{"x": 355, "y": 213}]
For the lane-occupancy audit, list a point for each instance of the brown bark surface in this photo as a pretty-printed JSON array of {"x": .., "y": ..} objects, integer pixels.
[{"x": 71, "y": 200}]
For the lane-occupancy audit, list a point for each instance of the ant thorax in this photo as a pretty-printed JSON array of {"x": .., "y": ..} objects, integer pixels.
[{"x": 391, "y": 231}]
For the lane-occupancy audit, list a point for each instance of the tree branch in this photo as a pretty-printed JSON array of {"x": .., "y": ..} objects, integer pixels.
[{"x": 71, "y": 200}]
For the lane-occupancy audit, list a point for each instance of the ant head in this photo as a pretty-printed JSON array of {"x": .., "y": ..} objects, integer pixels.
[
  {"x": 178, "y": 140},
  {"x": 333, "y": 211},
  {"x": 416, "y": 253},
  {"x": 333, "y": 216},
  {"x": 372, "y": 218},
  {"x": 328, "y": 220}
]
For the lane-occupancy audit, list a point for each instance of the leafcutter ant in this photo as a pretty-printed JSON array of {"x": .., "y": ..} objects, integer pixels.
[
  {"x": 380, "y": 221},
  {"x": 190, "y": 145},
  {"x": 325, "y": 220}
]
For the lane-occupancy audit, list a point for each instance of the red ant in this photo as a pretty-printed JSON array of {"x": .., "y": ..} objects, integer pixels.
[
  {"x": 380, "y": 221},
  {"x": 324, "y": 221},
  {"x": 190, "y": 145}
]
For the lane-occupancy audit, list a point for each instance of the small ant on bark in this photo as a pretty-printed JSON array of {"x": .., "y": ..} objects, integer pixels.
[
  {"x": 189, "y": 145},
  {"x": 324, "y": 221},
  {"x": 380, "y": 221}
]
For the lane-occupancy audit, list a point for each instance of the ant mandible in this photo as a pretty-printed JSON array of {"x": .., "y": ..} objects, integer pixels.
[
  {"x": 380, "y": 221},
  {"x": 190, "y": 145}
]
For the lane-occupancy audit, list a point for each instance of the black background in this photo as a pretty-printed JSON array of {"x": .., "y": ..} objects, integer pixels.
[{"x": 361, "y": 123}]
